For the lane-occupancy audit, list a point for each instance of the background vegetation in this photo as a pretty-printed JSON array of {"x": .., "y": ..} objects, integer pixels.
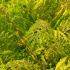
[{"x": 34, "y": 34}]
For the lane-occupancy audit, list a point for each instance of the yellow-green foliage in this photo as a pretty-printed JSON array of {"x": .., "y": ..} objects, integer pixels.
[
  {"x": 34, "y": 34},
  {"x": 19, "y": 65},
  {"x": 63, "y": 64},
  {"x": 44, "y": 41}
]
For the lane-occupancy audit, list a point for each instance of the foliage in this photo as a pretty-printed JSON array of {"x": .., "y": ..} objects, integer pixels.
[
  {"x": 63, "y": 64},
  {"x": 19, "y": 65},
  {"x": 34, "y": 34}
]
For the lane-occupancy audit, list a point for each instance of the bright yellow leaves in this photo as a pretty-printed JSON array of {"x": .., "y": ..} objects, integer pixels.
[{"x": 63, "y": 64}]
